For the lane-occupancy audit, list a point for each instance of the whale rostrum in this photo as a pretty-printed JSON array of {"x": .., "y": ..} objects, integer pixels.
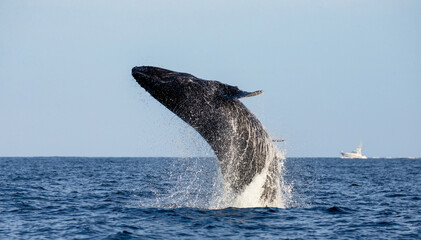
[{"x": 240, "y": 142}]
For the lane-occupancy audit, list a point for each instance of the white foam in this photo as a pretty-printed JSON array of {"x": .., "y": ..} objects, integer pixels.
[{"x": 251, "y": 196}]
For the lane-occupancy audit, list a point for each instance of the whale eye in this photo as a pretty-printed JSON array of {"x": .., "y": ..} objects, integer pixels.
[{"x": 165, "y": 80}]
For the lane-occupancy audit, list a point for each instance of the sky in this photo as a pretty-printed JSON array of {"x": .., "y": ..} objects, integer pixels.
[{"x": 334, "y": 74}]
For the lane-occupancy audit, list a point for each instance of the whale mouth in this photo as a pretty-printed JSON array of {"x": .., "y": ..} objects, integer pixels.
[
  {"x": 140, "y": 73},
  {"x": 144, "y": 76},
  {"x": 153, "y": 76}
]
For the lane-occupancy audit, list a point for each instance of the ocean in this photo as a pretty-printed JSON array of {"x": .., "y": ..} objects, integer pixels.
[{"x": 180, "y": 198}]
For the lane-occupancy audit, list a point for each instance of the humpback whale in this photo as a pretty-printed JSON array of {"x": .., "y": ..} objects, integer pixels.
[{"x": 240, "y": 142}]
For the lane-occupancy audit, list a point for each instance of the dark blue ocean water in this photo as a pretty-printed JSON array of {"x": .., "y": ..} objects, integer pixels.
[{"x": 156, "y": 198}]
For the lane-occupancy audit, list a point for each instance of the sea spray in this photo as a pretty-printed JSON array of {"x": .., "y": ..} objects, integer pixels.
[
  {"x": 196, "y": 180},
  {"x": 251, "y": 195},
  {"x": 200, "y": 184}
]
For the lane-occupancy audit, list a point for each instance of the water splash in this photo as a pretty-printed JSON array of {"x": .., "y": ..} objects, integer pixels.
[
  {"x": 251, "y": 196},
  {"x": 200, "y": 184}
]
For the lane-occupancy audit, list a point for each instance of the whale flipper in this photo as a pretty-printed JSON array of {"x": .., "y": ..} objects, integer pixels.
[
  {"x": 249, "y": 94},
  {"x": 232, "y": 92}
]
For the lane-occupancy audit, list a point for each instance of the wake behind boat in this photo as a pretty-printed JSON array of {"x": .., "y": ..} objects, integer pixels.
[{"x": 357, "y": 153}]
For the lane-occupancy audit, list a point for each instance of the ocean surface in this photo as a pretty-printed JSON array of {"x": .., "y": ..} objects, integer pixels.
[{"x": 179, "y": 198}]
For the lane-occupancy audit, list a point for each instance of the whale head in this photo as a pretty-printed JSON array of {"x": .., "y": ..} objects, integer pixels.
[{"x": 168, "y": 87}]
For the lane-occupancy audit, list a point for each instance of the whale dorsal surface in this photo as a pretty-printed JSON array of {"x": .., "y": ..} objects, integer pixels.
[{"x": 212, "y": 108}]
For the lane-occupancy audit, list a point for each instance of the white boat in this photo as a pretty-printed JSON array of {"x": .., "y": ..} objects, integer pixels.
[{"x": 357, "y": 153}]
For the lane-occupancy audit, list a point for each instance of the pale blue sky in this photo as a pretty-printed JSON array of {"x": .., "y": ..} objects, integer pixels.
[{"x": 334, "y": 73}]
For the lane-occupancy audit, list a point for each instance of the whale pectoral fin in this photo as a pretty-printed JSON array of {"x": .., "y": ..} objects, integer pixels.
[
  {"x": 251, "y": 94},
  {"x": 231, "y": 92}
]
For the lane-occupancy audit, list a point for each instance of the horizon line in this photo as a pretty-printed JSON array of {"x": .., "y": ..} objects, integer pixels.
[{"x": 74, "y": 156}]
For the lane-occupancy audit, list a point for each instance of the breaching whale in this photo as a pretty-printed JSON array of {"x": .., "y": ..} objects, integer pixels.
[{"x": 212, "y": 108}]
